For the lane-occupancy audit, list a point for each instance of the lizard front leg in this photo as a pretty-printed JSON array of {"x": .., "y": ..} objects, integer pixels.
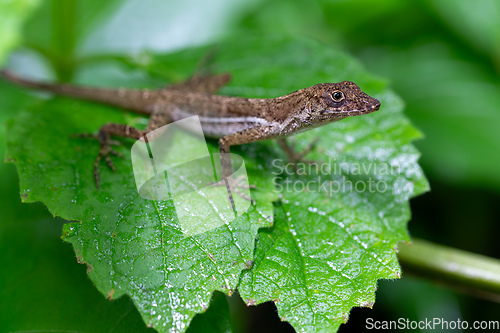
[{"x": 253, "y": 134}]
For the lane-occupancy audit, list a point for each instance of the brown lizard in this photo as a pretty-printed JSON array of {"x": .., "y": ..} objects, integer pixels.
[{"x": 232, "y": 120}]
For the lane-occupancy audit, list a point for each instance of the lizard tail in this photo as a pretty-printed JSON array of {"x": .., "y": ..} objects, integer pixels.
[{"x": 129, "y": 99}]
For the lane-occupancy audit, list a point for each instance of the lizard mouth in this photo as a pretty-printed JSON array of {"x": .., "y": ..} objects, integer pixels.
[
  {"x": 360, "y": 112},
  {"x": 376, "y": 106},
  {"x": 372, "y": 108}
]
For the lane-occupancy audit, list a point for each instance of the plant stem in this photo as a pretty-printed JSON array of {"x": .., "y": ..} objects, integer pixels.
[
  {"x": 63, "y": 38},
  {"x": 469, "y": 272}
]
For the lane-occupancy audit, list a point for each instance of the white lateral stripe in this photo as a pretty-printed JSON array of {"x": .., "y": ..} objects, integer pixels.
[{"x": 227, "y": 120}]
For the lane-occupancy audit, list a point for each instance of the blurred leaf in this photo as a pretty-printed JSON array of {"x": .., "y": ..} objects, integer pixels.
[
  {"x": 58, "y": 28},
  {"x": 11, "y": 100},
  {"x": 135, "y": 246},
  {"x": 215, "y": 320},
  {"x": 86, "y": 16},
  {"x": 301, "y": 18},
  {"x": 77, "y": 31},
  {"x": 418, "y": 299},
  {"x": 478, "y": 24},
  {"x": 39, "y": 276},
  {"x": 12, "y": 16},
  {"x": 454, "y": 102},
  {"x": 340, "y": 14},
  {"x": 163, "y": 25}
]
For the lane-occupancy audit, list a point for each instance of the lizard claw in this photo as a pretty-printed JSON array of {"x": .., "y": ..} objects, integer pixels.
[
  {"x": 116, "y": 153},
  {"x": 114, "y": 142},
  {"x": 109, "y": 162},
  {"x": 105, "y": 151},
  {"x": 237, "y": 186},
  {"x": 240, "y": 184}
]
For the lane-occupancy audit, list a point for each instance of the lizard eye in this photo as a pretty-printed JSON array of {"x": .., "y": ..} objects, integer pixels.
[{"x": 337, "y": 96}]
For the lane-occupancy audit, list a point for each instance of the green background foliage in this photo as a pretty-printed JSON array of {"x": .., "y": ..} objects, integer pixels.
[{"x": 441, "y": 58}]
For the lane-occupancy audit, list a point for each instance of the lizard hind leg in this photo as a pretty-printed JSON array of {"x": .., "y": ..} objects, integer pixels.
[
  {"x": 157, "y": 120},
  {"x": 207, "y": 84}
]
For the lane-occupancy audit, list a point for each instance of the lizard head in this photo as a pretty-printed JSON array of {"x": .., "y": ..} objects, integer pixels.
[{"x": 335, "y": 101}]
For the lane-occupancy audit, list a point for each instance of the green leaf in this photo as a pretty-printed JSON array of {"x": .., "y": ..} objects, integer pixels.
[
  {"x": 12, "y": 16},
  {"x": 134, "y": 246},
  {"x": 329, "y": 246}
]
